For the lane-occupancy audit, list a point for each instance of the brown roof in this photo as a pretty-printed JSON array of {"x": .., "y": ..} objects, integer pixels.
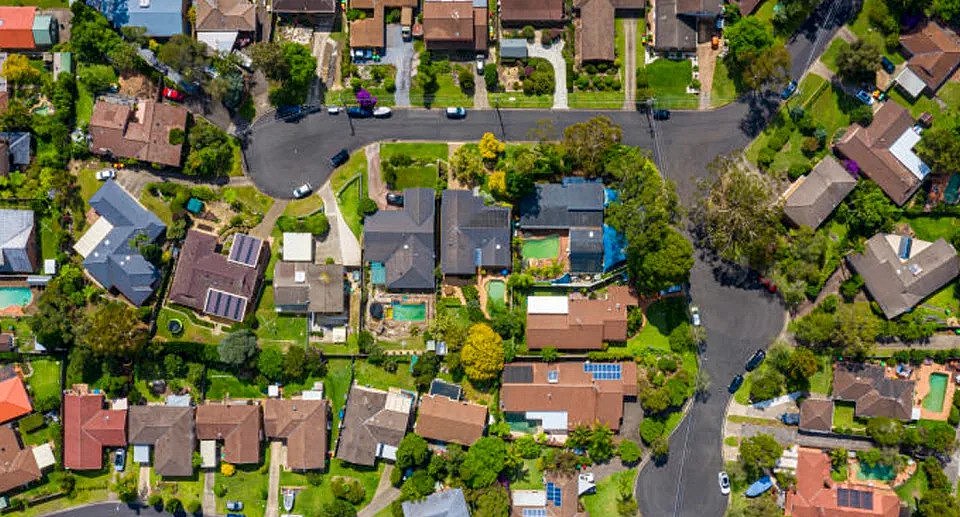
[
  {"x": 812, "y": 198},
  {"x": 526, "y": 388},
  {"x": 143, "y": 134},
  {"x": 170, "y": 431},
  {"x": 17, "y": 464},
  {"x": 874, "y": 393},
  {"x": 88, "y": 428},
  {"x": 7, "y": 340},
  {"x": 226, "y": 15},
  {"x": 238, "y": 425},
  {"x": 452, "y": 421},
  {"x": 676, "y": 22},
  {"x": 748, "y": 6},
  {"x": 320, "y": 289},
  {"x": 531, "y": 11},
  {"x": 305, "y": 6},
  {"x": 817, "y": 495},
  {"x": 367, "y": 33},
  {"x": 934, "y": 53},
  {"x": 870, "y": 146},
  {"x": 303, "y": 424},
  {"x": 587, "y": 325},
  {"x": 595, "y": 30},
  {"x": 816, "y": 415},
  {"x": 454, "y": 24},
  {"x": 372, "y": 418},
  {"x": 201, "y": 268}
]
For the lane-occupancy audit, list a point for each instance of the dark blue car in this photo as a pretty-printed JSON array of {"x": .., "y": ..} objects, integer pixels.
[
  {"x": 887, "y": 65},
  {"x": 358, "y": 112},
  {"x": 290, "y": 113},
  {"x": 789, "y": 90}
]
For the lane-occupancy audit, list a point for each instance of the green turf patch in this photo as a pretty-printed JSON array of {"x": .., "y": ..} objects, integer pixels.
[
  {"x": 45, "y": 379},
  {"x": 604, "y": 501},
  {"x": 249, "y": 485},
  {"x": 669, "y": 80}
]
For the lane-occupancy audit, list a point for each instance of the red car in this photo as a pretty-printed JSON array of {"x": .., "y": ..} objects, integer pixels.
[{"x": 174, "y": 95}]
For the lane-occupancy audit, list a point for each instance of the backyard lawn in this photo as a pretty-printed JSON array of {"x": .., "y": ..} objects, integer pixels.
[
  {"x": 532, "y": 477},
  {"x": 669, "y": 80},
  {"x": 21, "y": 330},
  {"x": 159, "y": 207},
  {"x": 193, "y": 329},
  {"x": 335, "y": 386},
  {"x": 449, "y": 94},
  {"x": 519, "y": 100},
  {"x": 843, "y": 417},
  {"x": 822, "y": 381},
  {"x": 87, "y": 179},
  {"x": 84, "y": 104},
  {"x": 280, "y": 329},
  {"x": 48, "y": 235},
  {"x": 423, "y": 172},
  {"x": 249, "y": 485},
  {"x": 45, "y": 379},
  {"x": 604, "y": 501},
  {"x": 931, "y": 228},
  {"x": 376, "y": 377},
  {"x": 913, "y": 489},
  {"x": 221, "y": 384}
]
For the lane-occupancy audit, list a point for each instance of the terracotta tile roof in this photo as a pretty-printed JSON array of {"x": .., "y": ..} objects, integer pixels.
[
  {"x": 452, "y": 421},
  {"x": 870, "y": 146},
  {"x": 226, "y": 15},
  {"x": 454, "y": 24},
  {"x": 14, "y": 401},
  {"x": 531, "y": 11},
  {"x": 872, "y": 391},
  {"x": 817, "y": 495},
  {"x": 170, "y": 431},
  {"x": 526, "y": 388},
  {"x": 816, "y": 415},
  {"x": 587, "y": 325},
  {"x": 238, "y": 425},
  {"x": 16, "y": 27},
  {"x": 17, "y": 464},
  {"x": 143, "y": 134},
  {"x": 367, "y": 33},
  {"x": 934, "y": 53},
  {"x": 88, "y": 428},
  {"x": 303, "y": 424}
]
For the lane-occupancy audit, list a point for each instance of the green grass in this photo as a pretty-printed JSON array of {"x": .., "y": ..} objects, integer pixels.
[
  {"x": 596, "y": 100},
  {"x": 423, "y": 172},
  {"x": 932, "y": 228},
  {"x": 945, "y": 299},
  {"x": 84, "y": 104},
  {"x": 237, "y": 169},
  {"x": 48, "y": 238},
  {"x": 184, "y": 488},
  {"x": 335, "y": 386},
  {"x": 248, "y": 485},
  {"x": 604, "y": 501},
  {"x": 223, "y": 383},
  {"x": 417, "y": 151},
  {"x": 843, "y": 417},
  {"x": 950, "y": 94},
  {"x": 357, "y": 164},
  {"x": 45, "y": 380},
  {"x": 662, "y": 317},
  {"x": 449, "y": 94},
  {"x": 822, "y": 381},
  {"x": 252, "y": 199},
  {"x": 669, "y": 81},
  {"x": 829, "y": 58},
  {"x": 159, "y": 207},
  {"x": 192, "y": 331},
  {"x": 275, "y": 328},
  {"x": 376, "y": 377},
  {"x": 913, "y": 489},
  {"x": 310, "y": 500},
  {"x": 21, "y": 330},
  {"x": 917, "y": 107},
  {"x": 531, "y": 477},
  {"x": 354, "y": 173},
  {"x": 742, "y": 395},
  {"x": 731, "y": 441},
  {"x": 724, "y": 89},
  {"x": 303, "y": 207},
  {"x": 88, "y": 183},
  {"x": 519, "y": 100}
]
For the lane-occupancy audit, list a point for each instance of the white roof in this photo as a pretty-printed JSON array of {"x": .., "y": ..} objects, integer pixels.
[
  {"x": 208, "y": 454},
  {"x": 141, "y": 453},
  {"x": 535, "y": 498},
  {"x": 219, "y": 41},
  {"x": 548, "y": 305},
  {"x": 297, "y": 247},
  {"x": 101, "y": 227},
  {"x": 50, "y": 267},
  {"x": 388, "y": 452},
  {"x": 902, "y": 149},
  {"x": 910, "y": 83},
  {"x": 43, "y": 454},
  {"x": 273, "y": 390},
  {"x": 312, "y": 395}
]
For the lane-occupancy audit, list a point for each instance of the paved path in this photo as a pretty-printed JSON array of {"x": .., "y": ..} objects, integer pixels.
[
  {"x": 553, "y": 54},
  {"x": 706, "y": 63},
  {"x": 143, "y": 482},
  {"x": 384, "y": 495},
  {"x": 347, "y": 243},
  {"x": 209, "y": 503},
  {"x": 629, "y": 63},
  {"x": 821, "y": 69},
  {"x": 263, "y": 230},
  {"x": 400, "y": 54},
  {"x": 376, "y": 187},
  {"x": 789, "y": 435},
  {"x": 273, "y": 486},
  {"x": 480, "y": 97}
]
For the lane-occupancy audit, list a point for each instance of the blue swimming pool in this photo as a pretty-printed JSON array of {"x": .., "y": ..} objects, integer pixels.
[{"x": 19, "y": 296}]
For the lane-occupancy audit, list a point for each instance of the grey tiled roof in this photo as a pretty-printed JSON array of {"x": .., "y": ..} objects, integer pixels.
[
  {"x": 467, "y": 225},
  {"x": 555, "y": 206},
  {"x": 403, "y": 240},
  {"x": 586, "y": 250},
  {"x": 171, "y": 432},
  {"x": 16, "y": 238},
  {"x": 819, "y": 193},
  {"x": 449, "y": 503},
  {"x": 19, "y": 143},
  {"x": 367, "y": 423}
]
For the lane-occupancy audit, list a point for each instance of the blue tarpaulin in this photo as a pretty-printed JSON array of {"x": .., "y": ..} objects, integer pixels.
[
  {"x": 614, "y": 246},
  {"x": 378, "y": 273}
]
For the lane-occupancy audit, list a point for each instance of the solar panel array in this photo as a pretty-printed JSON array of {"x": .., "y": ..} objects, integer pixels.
[
  {"x": 534, "y": 512},
  {"x": 854, "y": 498},
  {"x": 225, "y": 305},
  {"x": 245, "y": 250},
  {"x": 554, "y": 494},
  {"x": 604, "y": 371}
]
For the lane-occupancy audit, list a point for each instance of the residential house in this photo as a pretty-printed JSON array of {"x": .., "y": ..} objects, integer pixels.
[
  {"x": 222, "y": 23},
  {"x": 560, "y": 396},
  {"x": 370, "y": 32},
  {"x": 18, "y": 241},
  {"x": 142, "y": 132},
  {"x": 297, "y": 247},
  {"x": 457, "y": 25},
  {"x": 399, "y": 244},
  {"x": 517, "y": 13},
  {"x": 317, "y": 290},
  {"x": 88, "y": 428},
  {"x": 473, "y": 235},
  {"x": 883, "y": 151},
  {"x": 237, "y": 425},
  {"x": 14, "y": 147},
  {"x": 21, "y": 465},
  {"x": 873, "y": 392},
  {"x": 373, "y": 424},
  {"x": 321, "y": 10},
  {"x": 812, "y": 198},
  {"x": 302, "y": 425},
  {"x": 110, "y": 248},
  {"x": 26, "y": 28},
  {"x": 933, "y": 55},
  {"x": 900, "y": 271},
  {"x": 559, "y": 498},
  {"x": 161, "y": 18},
  {"x": 816, "y": 416},
  {"x": 445, "y": 420},
  {"x": 817, "y": 494},
  {"x": 448, "y": 503},
  {"x": 166, "y": 430},
  {"x": 218, "y": 285},
  {"x": 576, "y": 322},
  {"x": 595, "y": 26},
  {"x": 681, "y": 24},
  {"x": 14, "y": 401}
]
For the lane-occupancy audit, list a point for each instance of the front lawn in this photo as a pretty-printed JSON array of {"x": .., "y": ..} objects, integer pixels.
[
  {"x": 194, "y": 329},
  {"x": 669, "y": 80},
  {"x": 276, "y": 328},
  {"x": 90, "y": 487},
  {"x": 186, "y": 488},
  {"x": 311, "y": 498},
  {"x": 829, "y": 58},
  {"x": 349, "y": 184},
  {"x": 45, "y": 380},
  {"x": 423, "y": 172},
  {"x": 724, "y": 89},
  {"x": 610, "y": 100},
  {"x": 304, "y": 207},
  {"x": 222, "y": 384},
  {"x": 519, "y": 100},
  {"x": 448, "y": 94},
  {"x": 604, "y": 501},
  {"x": 158, "y": 206},
  {"x": 249, "y": 485},
  {"x": 252, "y": 199},
  {"x": 918, "y": 106},
  {"x": 662, "y": 317}
]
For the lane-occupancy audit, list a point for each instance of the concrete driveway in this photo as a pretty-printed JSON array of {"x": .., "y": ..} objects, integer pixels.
[
  {"x": 399, "y": 53},
  {"x": 553, "y": 54}
]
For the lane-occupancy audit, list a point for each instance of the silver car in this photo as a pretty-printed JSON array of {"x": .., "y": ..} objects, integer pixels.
[{"x": 724, "y": 482}]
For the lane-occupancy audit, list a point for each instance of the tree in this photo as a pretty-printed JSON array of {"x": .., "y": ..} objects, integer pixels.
[
  {"x": 939, "y": 437},
  {"x": 579, "y": 437},
  {"x": 125, "y": 58},
  {"x": 887, "y": 432},
  {"x": 940, "y": 146},
  {"x": 802, "y": 364},
  {"x": 97, "y": 78},
  {"x": 586, "y": 143},
  {"x": 365, "y": 99},
  {"x": 946, "y": 10},
  {"x": 482, "y": 353},
  {"x": 211, "y": 154},
  {"x": 18, "y": 70},
  {"x": 338, "y": 508},
  {"x": 858, "y": 61},
  {"x": 759, "y": 452},
  {"x": 173, "y": 505},
  {"x": 412, "y": 452},
  {"x": 490, "y": 147},
  {"x": 600, "y": 448},
  {"x": 268, "y": 57},
  {"x": 417, "y": 486},
  {"x": 58, "y": 308},
  {"x": 270, "y": 363},
  {"x": 856, "y": 329},
  {"x": 484, "y": 461},
  {"x": 768, "y": 68},
  {"x": 466, "y": 164},
  {"x": 185, "y": 55},
  {"x": 294, "y": 363},
  {"x": 868, "y": 210},
  {"x": 491, "y": 501},
  {"x": 629, "y": 451},
  {"x": 681, "y": 338},
  {"x": 238, "y": 347},
  {"x": 744, "y": 39},
  {"x": 767, "y": 384},
  {"x": 114, "y": 329}
]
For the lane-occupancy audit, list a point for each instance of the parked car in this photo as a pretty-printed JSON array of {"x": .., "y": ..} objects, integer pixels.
[
  {"x": 695, "y": 315},
  {"x": 106, "y": 174},
  {"x": 755, "y": 360},
  {"x": 234, "y": 506},
  {"x": 735, "y": 383},
  {"x": 865, "y": 97},
  {"x": 120, "y": 460},
  {"x": 394, "y": 199},
  {"x": 333, "y": 110},
  {"x": 790, "y": 418},
  {"x": 661, "y": 114},
  {"x": 235, "y": 515},
  {"x": 887, "y": 65},
  {"x": 358, "y": 112},
  {"x": 724, "y": 483},
  {"x": 302, "y": 191},
  {"x": 173, "y": 94},
  {"x": 406, "y": 33},
  {"x": 456, "y": 112},
  {"x": 480, "y": 59},
  {"x": 290, "y": 113},
  {"x": 340, "y": 158},
  {"x": 382, "y": 112},
  {"x": 789, "y": 90}
]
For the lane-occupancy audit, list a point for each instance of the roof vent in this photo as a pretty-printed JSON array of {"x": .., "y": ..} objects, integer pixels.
[
  {"x": 300, "y": 277},
  {"x": 553, "y": 377},
  {"x": 144, "y": 4},
  {"x": 915, "y": 269}
]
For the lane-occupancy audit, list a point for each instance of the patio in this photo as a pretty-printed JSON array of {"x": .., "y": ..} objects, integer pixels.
[{"x": 923, "y": 375}]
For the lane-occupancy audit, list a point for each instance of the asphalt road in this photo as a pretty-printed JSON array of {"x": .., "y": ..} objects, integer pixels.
[{"x": 110, "y": 510}]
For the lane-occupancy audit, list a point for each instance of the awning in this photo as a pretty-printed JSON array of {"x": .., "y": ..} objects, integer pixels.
[
  {"x": 219, "y": 41},
  {"x": 910, "y": 83}
]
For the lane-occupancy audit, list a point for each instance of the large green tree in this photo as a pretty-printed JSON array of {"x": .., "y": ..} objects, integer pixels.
[
  {"x": 586, "y": 143},
  {"x": 482, "y": 353},
  {"x": 759, "y": 452},
  {"x": 238, "y": 347},
  {"x": 484, "y": 461},
  {"x": 114, "y": 329},
  {"x": 858, "y": 61}
]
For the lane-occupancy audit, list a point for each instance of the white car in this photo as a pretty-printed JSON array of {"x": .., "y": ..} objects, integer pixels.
[
  {"x": 724, "y": 483},
  {"x": 302, "y": 191},
  {"x": 382, "y": 112},
  {"x": 106, "y": 174},
  {"x": 333, "y": 110},
  {"x": 480, "y": 64},
  {"x": 695, "y": 315},
  {"x": 456, "y": 112}
]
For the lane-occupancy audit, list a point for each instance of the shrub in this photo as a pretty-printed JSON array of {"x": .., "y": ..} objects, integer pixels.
[
  {"x": 954, "y": 418},
  {"x": 798, "y": 169},
  {"x": 629, "y": 451},
  {"x": 527, "y": 447},
  {"x": 193, "y": 506},
  {"x": 348, "y": 489},
  {"x": 227, "y": 469},
  {"x": 810, "y": 145},
  {"x": 31, "y": 422},
  {"x": 173, "y": 505},
  {"x": 367, "y": 207},
  {"x": 176, "y": 136},
  {"x": 390, "y": 85},
  {"x": 779, "y": 138},
  {"x": 528, "y": 33},
  {"x": 850, "y": 287},
  {"x": 766, "y": 157},
  {"x": 862, "y": 115},
  {"x": 155, "y": 501},
  {"x": 650, "y": 430},
  {"x": 491, "y": 78}
]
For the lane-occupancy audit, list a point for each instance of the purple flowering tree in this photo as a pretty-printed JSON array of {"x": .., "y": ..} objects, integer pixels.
[{"x": 365, "y": 99}]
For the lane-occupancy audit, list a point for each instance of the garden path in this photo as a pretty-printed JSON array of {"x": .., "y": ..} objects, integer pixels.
[
  {"x": 263, "y": 230},
  {"x": 385, "y": 495},
  {"x": 376, "y": 188},
  {"x": 553, "y": 54}
]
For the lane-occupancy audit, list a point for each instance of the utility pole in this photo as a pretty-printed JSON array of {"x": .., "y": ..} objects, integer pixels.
[{"x": 503, "y": 131}]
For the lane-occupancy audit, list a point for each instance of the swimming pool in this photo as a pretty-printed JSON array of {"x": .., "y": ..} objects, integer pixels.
[
  {"x": 496, "y": 291},
  {"x": 878, "y": 472},
  {"x": 409, "y": 311},
  {"x": 19, "y": 296},
  {"x": 545, "y": 248},
  {"x": 938, "y": 391}
]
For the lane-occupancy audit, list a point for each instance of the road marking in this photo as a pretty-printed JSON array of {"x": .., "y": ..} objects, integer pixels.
[{"x": 683, "y": 459}]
